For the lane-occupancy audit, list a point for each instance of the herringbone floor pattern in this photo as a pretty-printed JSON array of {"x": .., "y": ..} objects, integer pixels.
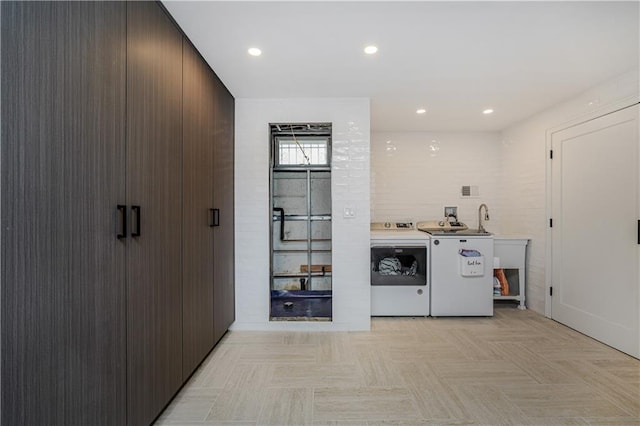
[{"x": 517, "y": 368}]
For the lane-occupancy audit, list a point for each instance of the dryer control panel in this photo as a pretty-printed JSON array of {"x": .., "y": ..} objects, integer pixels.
[{"x": 392, "y": 226}]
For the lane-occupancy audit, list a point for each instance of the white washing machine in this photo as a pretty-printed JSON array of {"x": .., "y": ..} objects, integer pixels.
[
  {"x": 399, "y": 270},
  {"x": 461, "y": 274}
]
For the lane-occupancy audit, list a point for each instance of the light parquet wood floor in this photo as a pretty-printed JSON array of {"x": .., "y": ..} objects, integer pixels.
[{"x": 517, "y": 368}]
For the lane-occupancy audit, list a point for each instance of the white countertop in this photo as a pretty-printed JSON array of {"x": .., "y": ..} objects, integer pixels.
[{"x": 510, "y": 237}]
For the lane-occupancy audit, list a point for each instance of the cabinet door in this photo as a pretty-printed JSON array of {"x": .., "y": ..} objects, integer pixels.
[
  {"x": 197, "y": 245},
  {"x": 154, "y": 182},
  {"x": 63, "y": 147},
  {"x": 224, "y": 288}
]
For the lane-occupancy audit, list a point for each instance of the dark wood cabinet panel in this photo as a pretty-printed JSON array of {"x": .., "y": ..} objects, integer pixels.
[
  {"x": 62, "y": 163},
  {"x": 198, "y": 183},
  {"x": 224, "y": 279},
  {"x": 154, "y": 182},
  {"x": 98, "y": 330}
]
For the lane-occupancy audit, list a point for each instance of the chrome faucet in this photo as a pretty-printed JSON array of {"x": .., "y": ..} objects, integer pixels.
[{"x": 486, "y": 216}]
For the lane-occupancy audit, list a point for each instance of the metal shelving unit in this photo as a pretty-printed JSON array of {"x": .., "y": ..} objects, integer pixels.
[{"x": 303, "y": 240}]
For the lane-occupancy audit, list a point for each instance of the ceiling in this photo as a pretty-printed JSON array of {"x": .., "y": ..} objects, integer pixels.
[{"x": 453, "y": 58}]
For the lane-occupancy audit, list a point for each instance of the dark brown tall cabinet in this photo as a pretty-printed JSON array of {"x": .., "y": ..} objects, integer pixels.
[
  {"x": 116, "y": 160},
  {"x": 154, "y": 196},
  {"x": 63, "y": 172},
  {"x": 224, "y": 295},
  {"x": 208, "y": 212},
  {"x": 197, "y": 250}
]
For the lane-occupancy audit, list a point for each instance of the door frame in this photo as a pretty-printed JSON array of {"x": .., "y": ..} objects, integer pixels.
[{"x": 583, "y": 118}]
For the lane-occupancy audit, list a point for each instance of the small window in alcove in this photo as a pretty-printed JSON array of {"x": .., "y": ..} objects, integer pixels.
[
  {"x": 302, "y": 151},
  {"x": 301, "y": 145}
]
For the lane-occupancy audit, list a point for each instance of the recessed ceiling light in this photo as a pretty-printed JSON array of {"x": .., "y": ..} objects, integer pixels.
[
  {"x": 487, "y": 111},
  {"x": 254, "y": 51},
  {"x": 421, "y": 111},
  {"x": 370, "y": 50}
]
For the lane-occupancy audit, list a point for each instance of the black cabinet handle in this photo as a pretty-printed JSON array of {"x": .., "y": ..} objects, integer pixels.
[
  {"x": 639, "y": 232},
  {"x": 122, "y": 209},
  {"x": 215, "y": 217},
  {"x": 135, "y": 210}
]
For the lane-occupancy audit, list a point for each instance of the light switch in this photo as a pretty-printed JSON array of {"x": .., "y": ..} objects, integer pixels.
[{"x": 349, "y": 212}]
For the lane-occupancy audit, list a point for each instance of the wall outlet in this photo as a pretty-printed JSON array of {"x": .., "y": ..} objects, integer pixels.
[{"x": 349, "y": 212}]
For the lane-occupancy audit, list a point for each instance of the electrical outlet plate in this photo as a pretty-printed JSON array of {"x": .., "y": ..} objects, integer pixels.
[
  {"x": 349, "y": 212},
  {"x": 451, "y": 211}
]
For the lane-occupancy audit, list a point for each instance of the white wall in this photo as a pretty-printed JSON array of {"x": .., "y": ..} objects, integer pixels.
[
  {"x": 350, "y": 188},
  {"x": 524, "y": 162},
  {"x": 414, "y": 175}
]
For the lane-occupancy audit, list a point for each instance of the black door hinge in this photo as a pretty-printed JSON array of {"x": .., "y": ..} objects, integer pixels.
[
  {"x": 550, "y": 291},
  {"x": 551, "y": 154}
]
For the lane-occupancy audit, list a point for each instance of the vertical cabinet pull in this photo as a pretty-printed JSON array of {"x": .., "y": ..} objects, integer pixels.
[
  {"x": 135, "y": 210},
  {"x": 122, "y": 219},
  {"x": 214, "y": 218},
  {"x": 639, "y": 232}
]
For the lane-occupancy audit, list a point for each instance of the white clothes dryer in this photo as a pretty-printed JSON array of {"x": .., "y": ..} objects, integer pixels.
[{"x": 399, "y": 270}]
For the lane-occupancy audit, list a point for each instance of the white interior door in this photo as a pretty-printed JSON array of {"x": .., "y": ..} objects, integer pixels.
[{"x": 595, "y": 235}]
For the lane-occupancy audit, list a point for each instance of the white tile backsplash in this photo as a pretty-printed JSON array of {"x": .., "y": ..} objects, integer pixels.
[
  {"x": 350, "y": 187},
  {"x": 415, "y": 175}
]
